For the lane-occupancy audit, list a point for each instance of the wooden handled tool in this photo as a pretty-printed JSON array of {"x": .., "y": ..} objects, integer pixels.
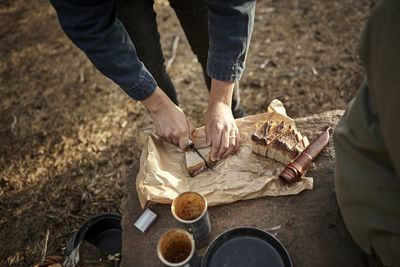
[{"x": 293, "y": 172}]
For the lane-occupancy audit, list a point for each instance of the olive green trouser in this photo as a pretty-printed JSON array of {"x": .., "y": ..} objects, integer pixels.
[{"x": 367, "y": 141}]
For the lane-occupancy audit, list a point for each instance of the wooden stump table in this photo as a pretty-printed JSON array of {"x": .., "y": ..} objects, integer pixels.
[{"x": 309, "y": 224}]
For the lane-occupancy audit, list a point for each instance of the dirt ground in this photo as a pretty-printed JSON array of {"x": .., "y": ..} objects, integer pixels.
[{"x": 69, "y": 136}]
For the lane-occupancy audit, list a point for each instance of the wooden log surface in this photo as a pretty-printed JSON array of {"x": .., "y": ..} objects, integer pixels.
[{"x": 309, "y": 224}]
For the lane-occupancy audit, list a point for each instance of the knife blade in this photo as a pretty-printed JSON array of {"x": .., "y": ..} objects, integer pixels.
[{"x": 192, "y": 146}]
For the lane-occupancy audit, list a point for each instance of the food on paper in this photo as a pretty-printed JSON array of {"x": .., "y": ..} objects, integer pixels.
[
  {"x": 195, "y": 164},
  {"x": 278, "y": 141}
]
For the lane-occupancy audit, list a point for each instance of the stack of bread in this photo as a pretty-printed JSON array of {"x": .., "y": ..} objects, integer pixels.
[{"x": 278, "y": 141}]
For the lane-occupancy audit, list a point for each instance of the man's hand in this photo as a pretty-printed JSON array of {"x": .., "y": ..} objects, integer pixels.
[
  {"x": 170, "y": 121},
  {"x": 221, "y": 129}
]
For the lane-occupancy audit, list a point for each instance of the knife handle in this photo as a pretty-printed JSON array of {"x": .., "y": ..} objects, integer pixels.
[{"x": 293, "y": 172}]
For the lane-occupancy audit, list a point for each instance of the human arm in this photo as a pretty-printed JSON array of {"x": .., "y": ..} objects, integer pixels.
[
  {"x": 221, "y": 129},
  {"x": 93, "y": 27},
  {"x": 170, "y": 121},
  {"x": 230, "y": 28}
]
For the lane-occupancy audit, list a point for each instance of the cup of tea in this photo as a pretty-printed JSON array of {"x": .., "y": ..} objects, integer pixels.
[
  {"x": 190, "y": 208},
  {"x": 176, "y": 248}
]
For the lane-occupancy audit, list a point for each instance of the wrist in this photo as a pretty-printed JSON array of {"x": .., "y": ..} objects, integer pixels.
[
  {"x": 156, "y": 102},
  {"x": 221, "y": 92}
]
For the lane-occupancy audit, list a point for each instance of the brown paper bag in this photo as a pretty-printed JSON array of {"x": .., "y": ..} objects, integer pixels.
[{"x": 245, "y": 175}]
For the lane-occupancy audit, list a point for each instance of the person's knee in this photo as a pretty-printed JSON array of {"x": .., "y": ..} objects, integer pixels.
[
  {"x": 385, "y": 8},
  {"x": 387, "y": 247},
  {"x": 385, "y": 15}
]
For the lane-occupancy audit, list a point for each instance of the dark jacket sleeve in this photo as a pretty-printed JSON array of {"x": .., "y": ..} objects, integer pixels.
[
  {"x": 230, "y": 28},
  {"x": 93, "y": 27}
]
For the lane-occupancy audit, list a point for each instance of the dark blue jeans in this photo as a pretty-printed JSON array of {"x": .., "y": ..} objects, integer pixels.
[{"x": 139, "y": 19}]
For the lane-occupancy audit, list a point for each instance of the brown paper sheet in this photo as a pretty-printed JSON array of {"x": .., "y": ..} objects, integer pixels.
[{"x": 245, "y": 175}]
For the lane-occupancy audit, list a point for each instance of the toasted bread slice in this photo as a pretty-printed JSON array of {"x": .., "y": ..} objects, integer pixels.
[
  {"x": 272, "y": 136},
  {"x": 265, "y": 135},
  {"x": 259, "y": 143},
  {"x": 284, "y": 146},
  {"x": 302, "y": 144},
  {"x": 254, "y": 148},
  {"x": 195, "y": 164},
  {"x": 259, "y": 136},
  {"x": 278, "y": 142}
]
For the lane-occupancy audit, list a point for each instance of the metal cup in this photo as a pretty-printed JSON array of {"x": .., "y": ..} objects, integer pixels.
[
  {"x": 190, "y": 208},
  {"x": 176, "y": 248}
]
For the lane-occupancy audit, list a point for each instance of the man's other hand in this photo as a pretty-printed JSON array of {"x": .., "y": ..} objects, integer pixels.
[
  {"x": 169, "y": 120},
  {"x": 221, "y": 129}
]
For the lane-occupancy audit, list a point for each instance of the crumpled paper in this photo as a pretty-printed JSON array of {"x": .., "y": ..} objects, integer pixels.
[{"x": 244, "y": 175}]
